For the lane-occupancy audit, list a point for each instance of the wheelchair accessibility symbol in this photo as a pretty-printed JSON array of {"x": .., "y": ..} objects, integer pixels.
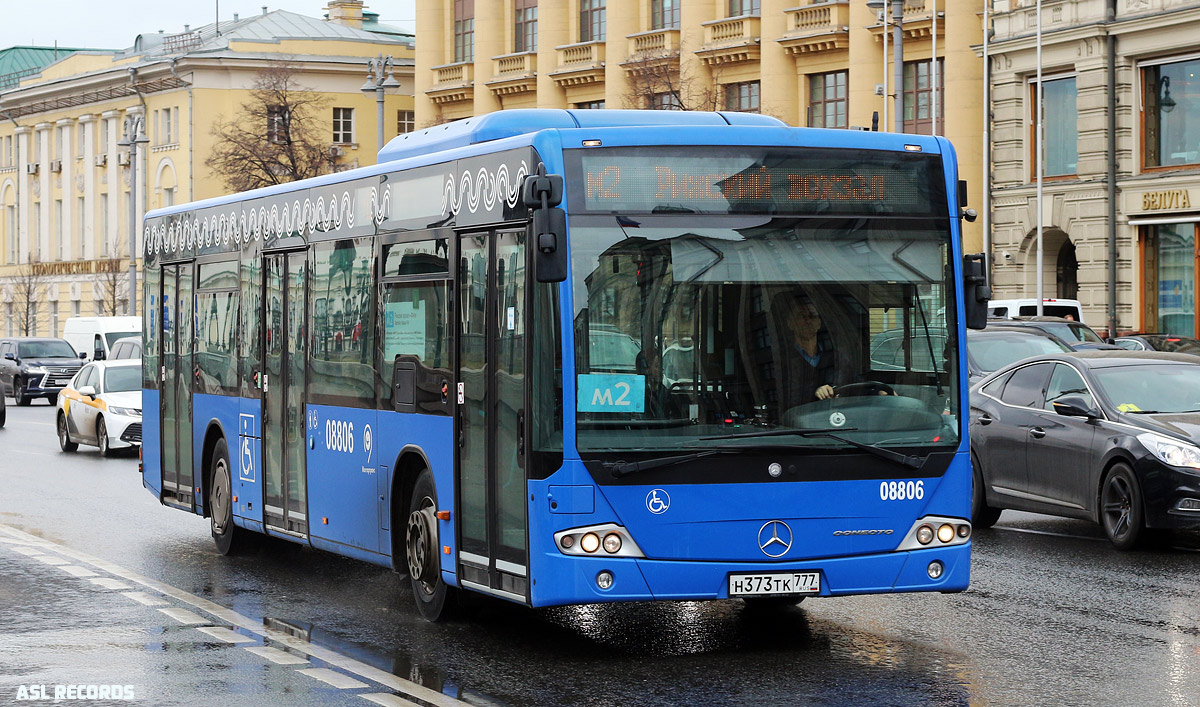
[
  {"x": 247, "y": 460},
  {"x": 657, "y": 501}
]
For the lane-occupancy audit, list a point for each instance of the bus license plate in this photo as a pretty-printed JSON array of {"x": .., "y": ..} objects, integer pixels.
[{"x": 775, "y": 583}]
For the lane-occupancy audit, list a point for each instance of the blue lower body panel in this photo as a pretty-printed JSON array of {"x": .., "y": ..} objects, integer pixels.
[{"x": 572, "y": 579}]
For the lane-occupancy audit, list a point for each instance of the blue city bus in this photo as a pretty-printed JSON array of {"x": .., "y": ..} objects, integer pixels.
[{"x": 566, "y": 357}]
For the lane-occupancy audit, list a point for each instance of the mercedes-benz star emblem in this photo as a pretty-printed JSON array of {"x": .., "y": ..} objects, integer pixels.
[{"x": 774, "y": 538}]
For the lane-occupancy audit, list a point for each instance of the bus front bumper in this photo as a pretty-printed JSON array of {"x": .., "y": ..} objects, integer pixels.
[{"x": 567, "y": 579}]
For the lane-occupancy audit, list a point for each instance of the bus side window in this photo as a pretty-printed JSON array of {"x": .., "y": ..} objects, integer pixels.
[{"x": 416, "y": 331}]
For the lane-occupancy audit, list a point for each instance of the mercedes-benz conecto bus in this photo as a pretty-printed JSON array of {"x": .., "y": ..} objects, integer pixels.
[{"x": 565, "y": 357}]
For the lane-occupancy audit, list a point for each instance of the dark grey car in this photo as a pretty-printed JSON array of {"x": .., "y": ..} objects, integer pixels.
[{"x": 34, "y": 367}]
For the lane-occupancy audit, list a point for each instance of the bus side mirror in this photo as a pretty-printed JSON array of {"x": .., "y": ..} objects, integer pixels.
[
  {"x": 976, "y": 292},
  {"x": 542, "y": 193}
]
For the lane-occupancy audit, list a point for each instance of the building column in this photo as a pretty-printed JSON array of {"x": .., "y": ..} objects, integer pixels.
[
  {"x": 70, "y": 237},
  {"x": 87, "y": 229},
  {"x": 778, "y": 95},
  {"x": 491, "y": 30},
  {"x": 430, "y": 52},
  {"x": 115, "y": 193},
  {"x": 24, "y": 194},
  {"x": 622, "y": 19},
  {"x": 43, "y": 220}
]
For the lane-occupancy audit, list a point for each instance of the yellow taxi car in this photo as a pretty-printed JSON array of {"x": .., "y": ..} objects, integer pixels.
[{"x": 102, "y": 406}]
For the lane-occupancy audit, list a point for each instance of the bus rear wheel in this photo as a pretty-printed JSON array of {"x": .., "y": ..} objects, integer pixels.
[
  {"x": 229, "y": 538},
  {"x": 421, "y": 543}
]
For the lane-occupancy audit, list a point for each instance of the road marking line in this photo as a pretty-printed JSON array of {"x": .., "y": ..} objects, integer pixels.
[
  {"x": 51, "y": 560},
  {"x": 77, "y": 571},
  {"x": 224, "y": 634},
  {"x": 184, "y": 616},
  {"x": 23, "y": 547},
  {"x": 144, "y": 598},
  {"x": 387, "y": 700},
  {"x": 333, "y": 658},
  {"x": 332, "y": 677},
  {"x": 29, "y": 550},
  {"x": 277, "y": 656},
  {"x": 36, "y": 454},
  {"x": 109, "y": 583}
]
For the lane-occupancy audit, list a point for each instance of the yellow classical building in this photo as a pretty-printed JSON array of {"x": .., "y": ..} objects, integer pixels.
[
  {"x": 67, "y": 180},
  {"x": 807, "y": 62}
]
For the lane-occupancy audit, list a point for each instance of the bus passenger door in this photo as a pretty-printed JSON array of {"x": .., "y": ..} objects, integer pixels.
[
  {"x": 176, "y": 385},
  {"x": 284, "y": 347},
  {"x": 492, "y": 413}
]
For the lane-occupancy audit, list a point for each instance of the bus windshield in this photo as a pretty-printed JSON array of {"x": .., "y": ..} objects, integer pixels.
[{"x": 693, "y": 330}]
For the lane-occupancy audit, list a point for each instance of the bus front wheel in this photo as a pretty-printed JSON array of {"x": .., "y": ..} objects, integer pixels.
[
  {"x": 228, "y": 537},
  {"x": 421, "y": 543}
]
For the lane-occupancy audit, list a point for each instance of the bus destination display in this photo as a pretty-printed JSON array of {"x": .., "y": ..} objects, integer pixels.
[{"x": 753, "y": 180}]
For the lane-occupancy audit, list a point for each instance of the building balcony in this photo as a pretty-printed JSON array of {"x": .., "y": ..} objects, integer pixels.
[
  {"x": 452, "y": 82},
  {"x": 579, "y": 64},
  {"x": 731, "y": 40},
  {"x": 1014, "y": 18},
  {"x": 917, "y": 22},
  {"x": 513, "y": 73},
  {"x": 652, "y": 49},
  {"x": 819, "y": 27}
]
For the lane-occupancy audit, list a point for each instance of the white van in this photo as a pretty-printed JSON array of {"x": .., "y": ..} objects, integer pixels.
[
  {"x": 1009, "y": 308},
  {"x": 94, "y": 336}
]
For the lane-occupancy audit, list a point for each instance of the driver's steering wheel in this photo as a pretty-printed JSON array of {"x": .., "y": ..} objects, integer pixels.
[{"x": 864, "y": 388}]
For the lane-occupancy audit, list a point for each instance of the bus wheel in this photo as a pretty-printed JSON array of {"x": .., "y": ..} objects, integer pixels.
[
  {"x": 421, "y": 542},
  {"x": 229, "y": 539}
]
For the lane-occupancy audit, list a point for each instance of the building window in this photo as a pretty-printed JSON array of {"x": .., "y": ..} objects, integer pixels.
[
  {"x": 80, "y": 215},
  {"x": 8, "y": 317},
  {"x": 1169, "y": 263},
  {"x": 590, "y": 105},
  {"x": 525, "y": 25},
  {"x": 1060, "y": 148},
  {"x": 742, "y": 97},
  {"x": 1171, "y": 106},
  {"x": 103, "y": 148},
  {"x": 277, "y": 124},
  {"x": 665, "y": 101},
  {"x": 737, "y": 8},
  {"x": 54, "y": 319},
  {"x": 104, "y": 225},
  {"x": 343, "y": 126},
  {"x": 827, "y": 100},
  {"x": 664, "y": 14},
  {"x": 918, "y": 97},
  {"x": 10, "y": 230},
  {"x": 593, "y": 20},
  {"x": 464, "y": 30},
  {"x": 406, "y": 121},
  {"x": 58, "y": 230},
  {"x": 80, "y": 133}
]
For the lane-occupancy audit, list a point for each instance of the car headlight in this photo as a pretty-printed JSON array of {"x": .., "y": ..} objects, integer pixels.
[
  {"x": 36, "y": 369},
  {"x": 130, "y": 412},
  {"x": 1171, "y": 451}
]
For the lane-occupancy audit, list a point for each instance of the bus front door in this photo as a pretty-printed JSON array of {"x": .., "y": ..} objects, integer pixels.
[
  {"x": 492, "y": 309},
  {"x": 284, "y": 347},
  {"x": 176, "y": 381}
]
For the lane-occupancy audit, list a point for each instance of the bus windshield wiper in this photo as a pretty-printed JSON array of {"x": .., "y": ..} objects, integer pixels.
[
  {"x": 912, "y": 462},
  {"x": 622, "y": 468}
]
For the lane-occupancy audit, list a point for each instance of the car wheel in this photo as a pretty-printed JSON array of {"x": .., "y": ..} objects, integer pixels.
[
  {"x": 421, "y": 543},
  {"x": 230, "y": 539},
  {"x": 3, "y": 414},
  {"x": 64, "y": 437},
  {"x": 1121, "y": 511},
  {"x": 982, "y": 516},
  {"x": 20, "y": 396},
  {"x": 102, "y": 438}
]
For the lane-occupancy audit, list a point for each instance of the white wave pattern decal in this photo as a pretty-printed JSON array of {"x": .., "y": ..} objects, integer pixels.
[
  {"x": 484, "y": 188},
  {"x": 324, "y": 213}
]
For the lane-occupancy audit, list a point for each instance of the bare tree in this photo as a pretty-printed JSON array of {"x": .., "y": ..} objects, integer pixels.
[
  {"x": 658, "y": 80},
  {"x": 27, "y": 290},
  {"x": 279, "y": 135},
  {"x": 110, "y": 288}
]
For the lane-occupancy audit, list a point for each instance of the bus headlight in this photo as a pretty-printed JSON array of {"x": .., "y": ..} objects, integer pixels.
[
  {"x": 587, "y": 541},
  {"x": 949, "y": 532}
]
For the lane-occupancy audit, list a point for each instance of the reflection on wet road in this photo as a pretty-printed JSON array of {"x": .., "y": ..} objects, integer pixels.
[{"x": 1054, "y": 615}]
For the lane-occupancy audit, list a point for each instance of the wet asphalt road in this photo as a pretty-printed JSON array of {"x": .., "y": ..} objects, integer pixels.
[{"x": 1053, "y": 616}]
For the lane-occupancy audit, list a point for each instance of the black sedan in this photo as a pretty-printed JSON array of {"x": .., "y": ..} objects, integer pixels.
[
  {"x": 1107, "y": 436},
  {"x": 1159, "y": 342},
  {"x": 1078, "y": 335}
]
